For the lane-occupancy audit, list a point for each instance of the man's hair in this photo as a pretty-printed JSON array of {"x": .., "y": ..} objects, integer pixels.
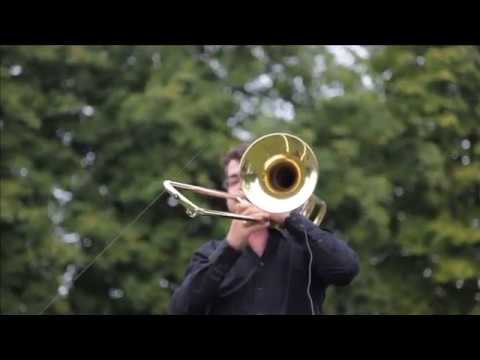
[{"x": 234, "y": 154}]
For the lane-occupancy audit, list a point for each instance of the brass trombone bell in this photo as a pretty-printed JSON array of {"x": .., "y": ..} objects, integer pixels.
[{"x": 279, "y": 172}]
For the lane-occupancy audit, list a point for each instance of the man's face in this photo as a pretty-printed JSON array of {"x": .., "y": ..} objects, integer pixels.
[{"x": 233, "y": 181}]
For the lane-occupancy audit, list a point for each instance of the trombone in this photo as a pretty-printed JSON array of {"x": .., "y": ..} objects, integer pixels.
[{"x": 278, "y": 172}]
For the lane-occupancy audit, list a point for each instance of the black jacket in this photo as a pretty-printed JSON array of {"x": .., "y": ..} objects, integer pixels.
[{"x": 222, "y": 280}]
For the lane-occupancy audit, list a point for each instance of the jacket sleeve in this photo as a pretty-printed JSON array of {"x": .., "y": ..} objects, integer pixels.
[
  {"x": 203, "y": 277},
  {"x": 334, "y": 262}
]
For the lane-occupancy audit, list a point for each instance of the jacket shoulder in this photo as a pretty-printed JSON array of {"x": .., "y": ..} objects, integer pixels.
[{"x": 207, "y": 248}]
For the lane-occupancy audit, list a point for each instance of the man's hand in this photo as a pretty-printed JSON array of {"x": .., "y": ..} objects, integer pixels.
[{"x": 237, "y": 236}]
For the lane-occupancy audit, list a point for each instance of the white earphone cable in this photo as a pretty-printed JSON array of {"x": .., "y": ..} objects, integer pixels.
[{"x": 309, "y": 274}]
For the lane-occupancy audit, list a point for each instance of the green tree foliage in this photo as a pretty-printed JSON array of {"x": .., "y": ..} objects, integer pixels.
[{"x": 88, "y": 134}]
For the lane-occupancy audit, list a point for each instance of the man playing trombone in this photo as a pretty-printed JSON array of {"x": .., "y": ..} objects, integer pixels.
[{"x": 281, "y": 263}]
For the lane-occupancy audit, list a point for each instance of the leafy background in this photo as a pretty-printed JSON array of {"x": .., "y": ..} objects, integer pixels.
[{"x": 88, "y": 134}]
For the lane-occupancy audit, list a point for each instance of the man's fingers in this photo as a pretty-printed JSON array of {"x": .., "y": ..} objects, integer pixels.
[
  {"x": 241, "y": 206},
  {"x": 259, "y": 215},
  {"x": 261, "y": 219},
  {"x": 242, "y": 201},
  {"x": 253, "y": 210},
  {"x": 258, "y": 226}
]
